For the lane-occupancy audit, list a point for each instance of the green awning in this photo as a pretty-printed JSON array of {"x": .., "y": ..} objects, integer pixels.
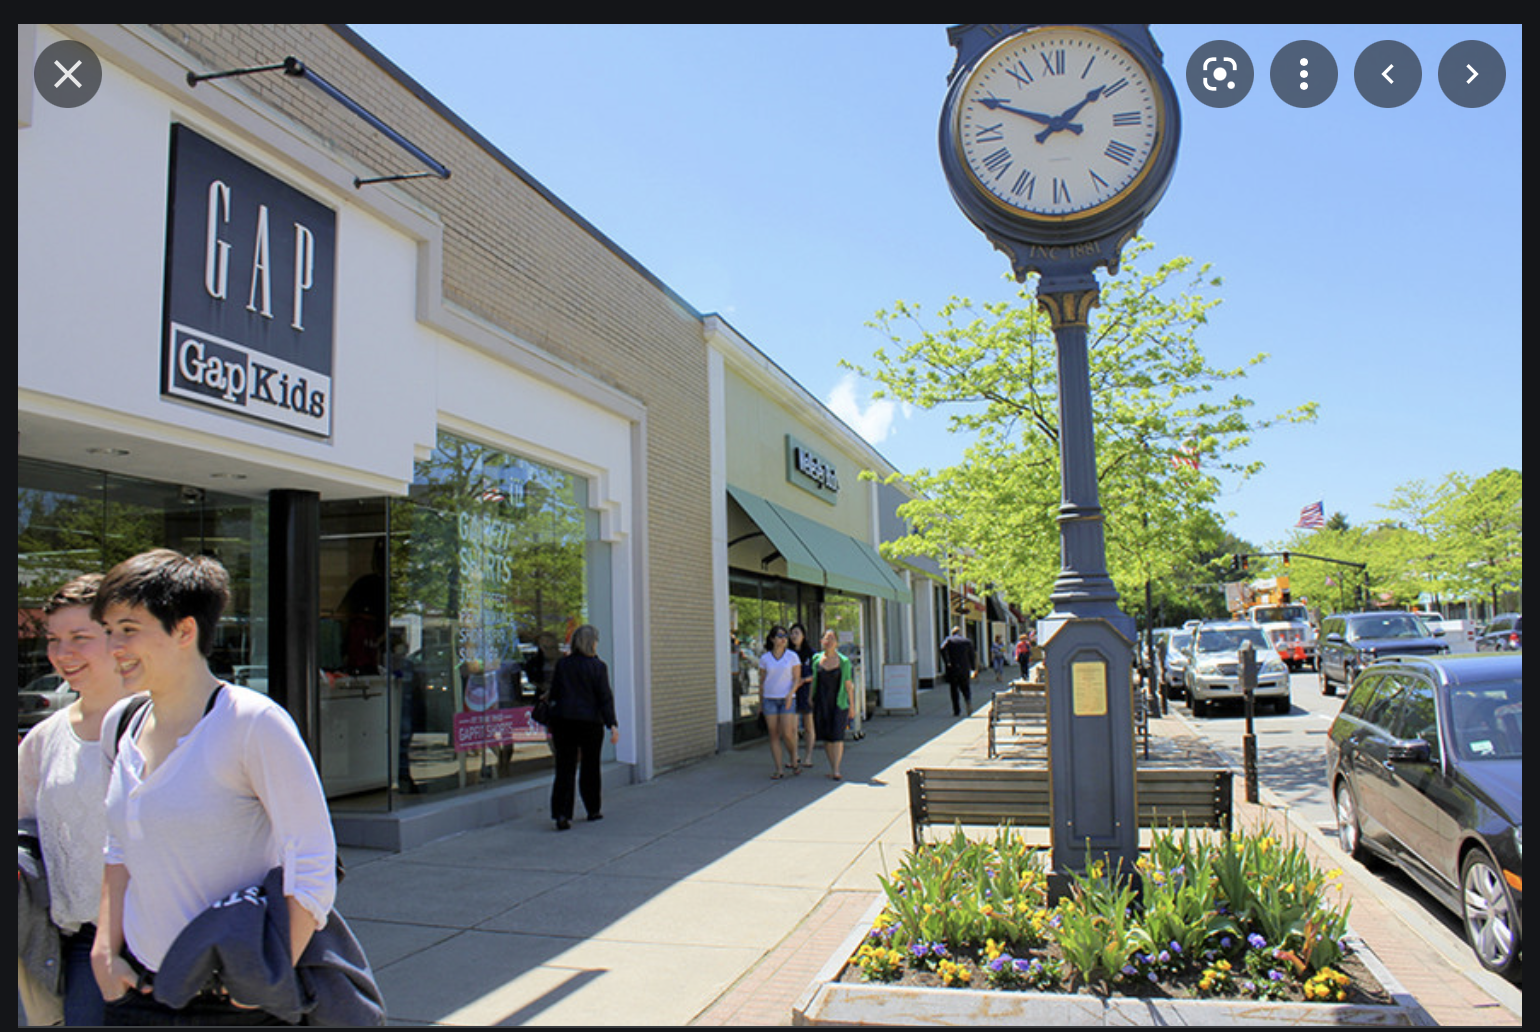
[{"x": 817, "y": 554}]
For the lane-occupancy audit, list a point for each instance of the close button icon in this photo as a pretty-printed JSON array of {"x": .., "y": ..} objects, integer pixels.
[{"x": 67, "y": 73}]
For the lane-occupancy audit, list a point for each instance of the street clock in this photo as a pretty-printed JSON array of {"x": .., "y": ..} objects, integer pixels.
[{"x": 1058, "y": 140}]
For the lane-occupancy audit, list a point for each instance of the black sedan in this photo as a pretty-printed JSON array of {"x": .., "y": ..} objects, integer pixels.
[{"x": 1425, "y": 764}]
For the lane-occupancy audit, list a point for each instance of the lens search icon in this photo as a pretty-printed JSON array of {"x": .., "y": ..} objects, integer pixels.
[{"x": 1220, "y": 74}]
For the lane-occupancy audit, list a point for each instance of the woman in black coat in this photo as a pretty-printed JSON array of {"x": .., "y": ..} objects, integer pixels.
[{"x": 582, "y": 706}]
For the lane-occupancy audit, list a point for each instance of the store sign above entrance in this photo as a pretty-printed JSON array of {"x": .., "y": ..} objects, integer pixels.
[
  {"x": 811, "y": 471},
  {"x": 250, "y": 274}
]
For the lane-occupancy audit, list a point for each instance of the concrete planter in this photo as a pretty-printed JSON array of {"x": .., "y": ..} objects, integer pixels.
[{"x": 829, "y": 1001}]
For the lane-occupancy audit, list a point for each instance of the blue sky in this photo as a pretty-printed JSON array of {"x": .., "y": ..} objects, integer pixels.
[{"x": 787, "y": 178}]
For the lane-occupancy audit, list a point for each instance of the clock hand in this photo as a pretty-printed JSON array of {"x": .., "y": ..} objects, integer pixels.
[
  {"x": 1072, "y": 112},
  {"x": 1063, "y": 120},
  {"x": 999, "y": 105}
]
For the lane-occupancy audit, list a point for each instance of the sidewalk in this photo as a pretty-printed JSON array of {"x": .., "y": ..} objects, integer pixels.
[{"x": 710, "y": 895}]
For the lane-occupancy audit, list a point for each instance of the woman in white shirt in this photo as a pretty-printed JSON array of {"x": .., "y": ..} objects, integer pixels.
[
  {"x": 779, "y": 671},
  {"x": 61, "y": 779},
  {"x": 212, "y": 788}
]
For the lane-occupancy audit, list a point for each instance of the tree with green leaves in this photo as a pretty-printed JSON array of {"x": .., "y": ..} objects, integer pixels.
[
  {"x": 1480, "y": 533},
  {"x": 1167, "y": 422}
]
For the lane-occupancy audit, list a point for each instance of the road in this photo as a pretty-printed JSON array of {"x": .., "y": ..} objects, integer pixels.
[{"x": 1291, "y": 768}]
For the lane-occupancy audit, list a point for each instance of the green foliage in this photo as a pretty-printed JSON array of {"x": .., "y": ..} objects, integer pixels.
[
  {"x": 968, "y": 892},
  {"x": 1097, "y": 931},
  {"x": 1243, "y": 914},
  {"x": 992, "y": 516},
  {"x": 1460, "y": 539}
]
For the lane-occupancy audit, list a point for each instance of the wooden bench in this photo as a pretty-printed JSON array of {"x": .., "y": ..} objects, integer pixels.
[
  {"x": 1167, "y": 796},
  {"x": 1018, "y": 707},
  {"x": 1026, "y": 703}
]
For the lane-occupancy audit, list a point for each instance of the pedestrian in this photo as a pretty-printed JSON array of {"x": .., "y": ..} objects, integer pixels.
[
  {"x": 834, "y": 700},
  {"x": 1024, "y": 656},
  {"x": 582, "y": 706},
  {"x": 779, "y": 670},
  {"x": 961, "y": 662},
  {"x": 997, "y": 657},
  {"x": 797, "y": 641},
  {"x": 61, "y": 781},
  {"x": 212, "y": 788}
]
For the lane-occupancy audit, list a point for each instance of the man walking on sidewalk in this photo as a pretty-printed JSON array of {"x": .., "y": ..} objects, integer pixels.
[{"x": 960, "y": 660}]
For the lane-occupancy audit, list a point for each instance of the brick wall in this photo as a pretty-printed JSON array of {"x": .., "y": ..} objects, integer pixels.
[{"x": 514, "y": 256}]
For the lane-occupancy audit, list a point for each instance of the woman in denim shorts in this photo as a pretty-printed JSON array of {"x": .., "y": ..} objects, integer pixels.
[{"x": 779, "y": 671}]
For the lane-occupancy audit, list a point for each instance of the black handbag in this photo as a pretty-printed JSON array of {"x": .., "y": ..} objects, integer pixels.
[{"x": 540, "y": 713}]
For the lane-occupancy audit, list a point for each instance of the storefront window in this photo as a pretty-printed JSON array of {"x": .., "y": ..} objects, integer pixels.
[
  {"x": 71, "y": 521},
  {"x": 490, "y": 567}
]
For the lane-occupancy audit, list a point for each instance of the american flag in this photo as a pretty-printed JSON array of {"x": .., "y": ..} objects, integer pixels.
[
  {"x": 1186, "y": 455},
  {"x": 1312, "y": 516}
]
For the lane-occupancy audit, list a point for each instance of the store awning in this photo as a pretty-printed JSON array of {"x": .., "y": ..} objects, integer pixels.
[{"x": 817, "y": 554}]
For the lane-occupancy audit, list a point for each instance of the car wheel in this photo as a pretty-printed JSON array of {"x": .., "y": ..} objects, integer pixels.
[
  {"x": 1327, "y": 688},
  {"x": 1489, "y": 914},
  {"x": 1349, "y": 835},
  {"x": 1199, "y": 707}
]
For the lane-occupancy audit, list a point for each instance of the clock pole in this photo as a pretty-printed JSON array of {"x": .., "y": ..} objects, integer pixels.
[
  {"x": 1088, "y": 641},
  {"x": 1057, "y": 141}
]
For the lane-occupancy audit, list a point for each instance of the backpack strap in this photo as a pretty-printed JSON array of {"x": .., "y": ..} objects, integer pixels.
[{"x": 110, "y": 745}]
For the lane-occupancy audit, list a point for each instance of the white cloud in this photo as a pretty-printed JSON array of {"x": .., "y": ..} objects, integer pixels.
[{"x": 874, "y": 421}]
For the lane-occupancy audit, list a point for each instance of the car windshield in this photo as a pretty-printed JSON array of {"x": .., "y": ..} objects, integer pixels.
[
  {"x": 1180, "y": 641},
  {"x": 1228, "y": 639},
  {"x": 1278, "y": 614},
  {"x": 1390, "y": 625},
  {"x": 1487, "y": 720}
]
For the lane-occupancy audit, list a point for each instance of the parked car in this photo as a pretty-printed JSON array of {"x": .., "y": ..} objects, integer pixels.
[
  {"x": 1173, "y": 666},
  {"x": 1503, "y": 633},
  {"x": 42, "y": 697},
  {"x": 1351, "y": 641},
  {"x": 1425, "y": 765},
  {"x": 1214, "y": 672}
]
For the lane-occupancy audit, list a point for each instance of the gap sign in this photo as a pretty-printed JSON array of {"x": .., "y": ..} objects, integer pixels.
[{"x": 250, "y": 285}]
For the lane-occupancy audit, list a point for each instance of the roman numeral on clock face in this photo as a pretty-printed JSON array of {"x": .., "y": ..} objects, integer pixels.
[{"x": 1120, "y": 152}]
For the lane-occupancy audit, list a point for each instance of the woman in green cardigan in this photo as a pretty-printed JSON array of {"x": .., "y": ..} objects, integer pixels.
[{"x": 834, "y": 700}]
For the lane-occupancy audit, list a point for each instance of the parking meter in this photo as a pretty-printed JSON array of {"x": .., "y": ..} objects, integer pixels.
[{"x": 1248, "y": 675}]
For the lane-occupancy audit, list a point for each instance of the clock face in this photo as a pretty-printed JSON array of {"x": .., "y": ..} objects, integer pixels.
[{"x": 1058, "y": 123}]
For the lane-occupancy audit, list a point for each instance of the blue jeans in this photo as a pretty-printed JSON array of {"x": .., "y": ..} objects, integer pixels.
[{"x": 82, "y": 999}]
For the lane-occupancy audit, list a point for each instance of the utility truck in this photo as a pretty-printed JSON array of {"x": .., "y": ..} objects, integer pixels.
[{"x": 1286, "y": 624}]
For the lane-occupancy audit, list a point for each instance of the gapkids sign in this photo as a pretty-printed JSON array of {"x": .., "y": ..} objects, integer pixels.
[{"x": 250, "y": 271}]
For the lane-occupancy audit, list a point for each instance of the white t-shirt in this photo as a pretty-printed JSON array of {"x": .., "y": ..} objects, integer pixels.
[
  {"x": 61, "y": 779},
  {"x": 238, "y": 796},
  {"x": 781, "y": 675}
]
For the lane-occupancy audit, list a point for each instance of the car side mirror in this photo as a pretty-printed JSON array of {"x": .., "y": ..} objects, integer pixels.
[
  {"x": 1438, "y": 632},
  {"x": 1334, "y": 636},
  {"x": 1409, "y": 750}
]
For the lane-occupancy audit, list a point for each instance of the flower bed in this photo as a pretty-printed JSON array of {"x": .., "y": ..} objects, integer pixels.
[{"x": 1244, "y": 916}]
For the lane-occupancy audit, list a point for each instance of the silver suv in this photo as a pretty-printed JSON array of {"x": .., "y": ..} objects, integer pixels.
[{"x": 1214, "y": 674}]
